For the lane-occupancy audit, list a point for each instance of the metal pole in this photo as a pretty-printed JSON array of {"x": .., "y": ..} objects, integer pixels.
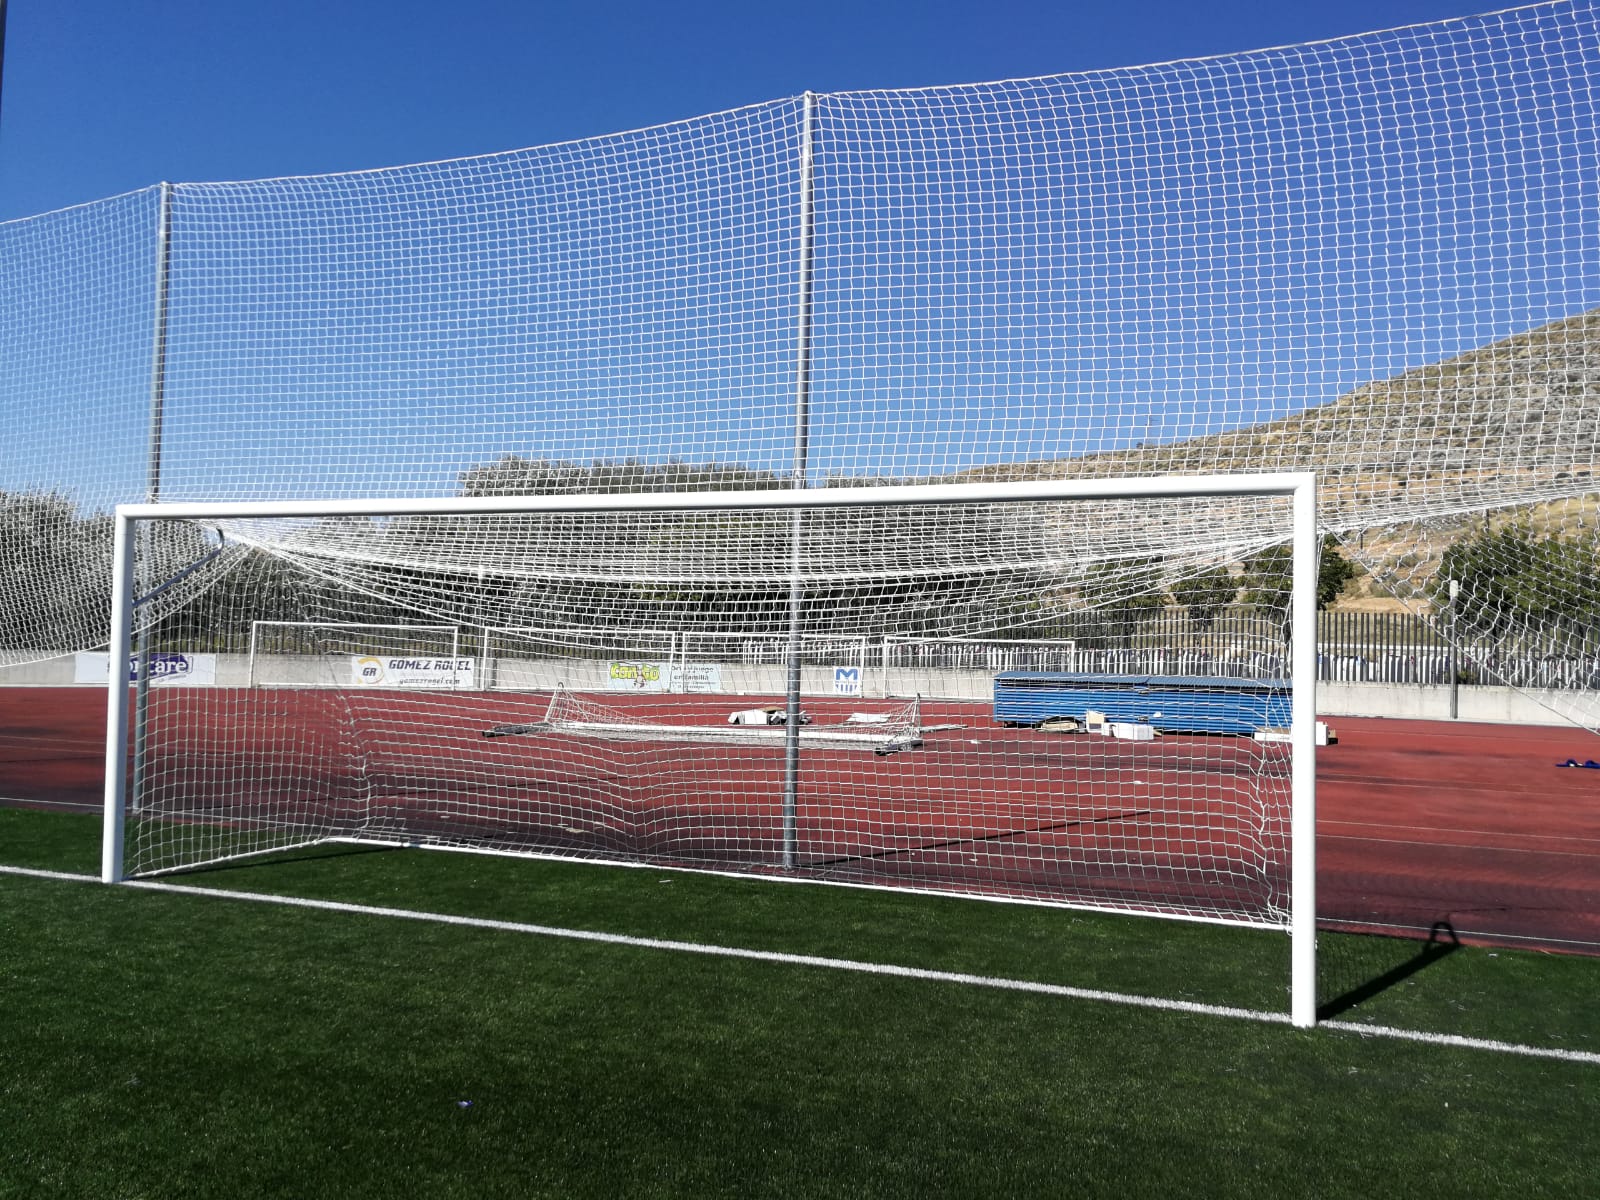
[
  {"x": 2, "y": 44},
  {"x": 158, "y": 398},
  {"x": 1455, "y": 673},
  {"x": 802, "y": 443}
]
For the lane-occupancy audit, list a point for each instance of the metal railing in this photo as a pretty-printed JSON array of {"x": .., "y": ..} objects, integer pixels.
[{"x": 1352, "y": 647}]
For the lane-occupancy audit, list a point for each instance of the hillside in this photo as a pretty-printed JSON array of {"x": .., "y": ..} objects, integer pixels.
[
  {"x": 1409, "y": 464},
  {"x": 1513, "y": 423}
]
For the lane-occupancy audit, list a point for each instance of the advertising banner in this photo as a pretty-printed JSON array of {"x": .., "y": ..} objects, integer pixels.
[
  {"x": 847, "y": 681},
  {"x": 697, "y": 677},
  {"x": 638, "y": 676},
  {"x": 166, "y": 670},
  {"x": 397, "y": 671},
  {"x": 663, "y": 677}
]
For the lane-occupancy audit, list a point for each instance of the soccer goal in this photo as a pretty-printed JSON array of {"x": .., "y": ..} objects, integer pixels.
[{"x": 751, "y": 765}]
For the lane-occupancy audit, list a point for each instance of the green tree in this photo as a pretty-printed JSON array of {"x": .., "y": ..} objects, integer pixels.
[
  {"x": 1208, "y": 595},
  {"x": 1122, "y": 593},
  {"x": 1513, "y": 579},
  {"x": 1268, "y": 574},
  {"x": 55, "y": 573},
  {"x": 513, "y": 475},
  {"x": 723, "y": 571},
  {"x": 1334, "y": 572}
]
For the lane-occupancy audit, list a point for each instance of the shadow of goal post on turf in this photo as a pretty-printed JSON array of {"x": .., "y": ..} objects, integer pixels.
[{"x": 1441, "y": 943}]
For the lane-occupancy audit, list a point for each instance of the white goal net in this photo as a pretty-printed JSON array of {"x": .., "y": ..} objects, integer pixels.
[
  {"x": 1371, "y": 258},
  {"x": 1176, "y": 795}
]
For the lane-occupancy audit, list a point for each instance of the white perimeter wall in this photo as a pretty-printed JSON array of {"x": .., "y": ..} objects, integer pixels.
[{"x": 1487, "y": 704}]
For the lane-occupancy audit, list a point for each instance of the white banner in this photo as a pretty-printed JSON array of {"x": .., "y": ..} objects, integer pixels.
[
  {"x": 166, "y": 670},
  {"x": 663, "y": 677},
  {"x": 847, "y": 681},
  {"x": 393, "y": 670},
  {"x": 697, "y": 677}
]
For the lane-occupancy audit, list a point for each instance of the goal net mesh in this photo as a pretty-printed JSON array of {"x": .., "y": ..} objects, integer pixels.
[
  {"x": 659, "y": 730},
  {"x": 1374, "y": 258}
]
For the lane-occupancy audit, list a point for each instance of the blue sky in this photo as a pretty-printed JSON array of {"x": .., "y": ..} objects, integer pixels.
[
  {"x": 1004, "y": 274},
  {"x": 105, "y": 96}
]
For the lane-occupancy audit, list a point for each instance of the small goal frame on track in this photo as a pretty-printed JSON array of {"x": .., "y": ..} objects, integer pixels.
[{"x": 1299, "y": 487}]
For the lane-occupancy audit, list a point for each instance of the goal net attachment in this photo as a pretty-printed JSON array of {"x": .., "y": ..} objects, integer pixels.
[
  {"x": 1006, "y": 690},
  {"x": 572, "y": 715}
]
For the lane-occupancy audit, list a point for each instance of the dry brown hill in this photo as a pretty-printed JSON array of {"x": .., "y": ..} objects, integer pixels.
[{"x": 1513, "y": 423}]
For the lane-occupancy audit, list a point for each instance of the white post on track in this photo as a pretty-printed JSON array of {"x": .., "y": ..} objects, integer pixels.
[
  {"x": 1303, "y": 769},
  {"x": 117, "y": 701},
  {"x": 776, "y": 498}
]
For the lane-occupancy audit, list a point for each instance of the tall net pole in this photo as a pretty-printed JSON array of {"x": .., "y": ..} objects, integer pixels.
[
  {"x": 802, "y": 436},
  {"x": 2, "y": 46},
  {"x": 158, "y": 402}
]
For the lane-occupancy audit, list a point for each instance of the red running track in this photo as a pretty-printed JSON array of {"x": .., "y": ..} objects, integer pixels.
[{"x": 1418, "y": 822}]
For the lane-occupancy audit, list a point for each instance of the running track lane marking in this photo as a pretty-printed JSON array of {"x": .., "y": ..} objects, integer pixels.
[
  {"x": 1478, "y": 846},
  {"x": 839, "y": 964}
]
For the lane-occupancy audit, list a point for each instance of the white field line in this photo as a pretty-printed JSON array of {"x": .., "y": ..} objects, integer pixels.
[{"x": 841, "y": 964}]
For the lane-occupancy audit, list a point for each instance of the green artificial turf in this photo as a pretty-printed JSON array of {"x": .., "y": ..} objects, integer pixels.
[{"x": 169, "y": 1045}]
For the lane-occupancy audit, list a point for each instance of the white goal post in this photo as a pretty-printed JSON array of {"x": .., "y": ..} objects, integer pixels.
[{"x": 1294, "y": 492}]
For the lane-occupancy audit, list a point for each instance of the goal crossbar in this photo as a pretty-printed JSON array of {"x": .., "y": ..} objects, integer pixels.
[
  {"x": 1299, "y": 488},
  {"x": 1282, "y": 483}
]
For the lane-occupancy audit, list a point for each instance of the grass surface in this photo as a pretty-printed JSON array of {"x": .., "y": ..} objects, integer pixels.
[{"x": 169, "y": 1045}]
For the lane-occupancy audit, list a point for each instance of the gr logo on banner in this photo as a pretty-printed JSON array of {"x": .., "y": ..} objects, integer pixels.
[{"x": 374, "y": 670}]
